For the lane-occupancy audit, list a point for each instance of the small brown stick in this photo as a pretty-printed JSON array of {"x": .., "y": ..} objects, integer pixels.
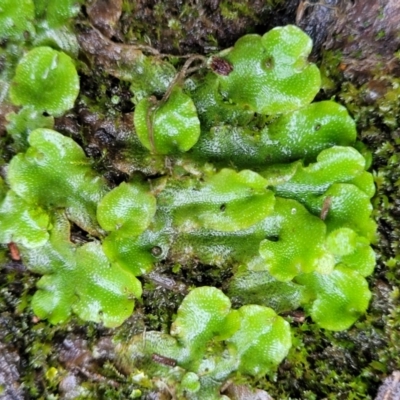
[
  {"x": 166, "y": 55},
  {"x": 326, "y": 205},
  {"x": 149, "y": 122},
  {"x": 95, "y": 377},
  {"x": 167, "y": 283},
  {"x": 14, "y": 251},
  {"x": 159, "y": 359},
  {"x": 144, "y": 339},
  {"x": 225, "y": 386},
  {"x": 183, "y": 72},
  {"x": 148, "y": 49}
]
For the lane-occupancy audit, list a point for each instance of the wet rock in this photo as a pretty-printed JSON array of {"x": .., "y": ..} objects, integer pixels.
[
  {"x": 242, "y": 392},
  {"x": 75, "y": 353},
  {"x": 104, "y": 14},
  {"x": 317, "y": 18},
  {"x": 104, "y": 350},
  {"x": 368, "y": 36},
  {"x": 84, "y": 364},
  {"x": 365, "y": 32},
  {"x": 111, "y": 56},
  {"x": 67, "y": 125},
  {"x": 9, "y": 374},
  {"x": 390, "y": 388},
  {"x": 382, "y": 300},
  {"x": 70, "y": 388}
]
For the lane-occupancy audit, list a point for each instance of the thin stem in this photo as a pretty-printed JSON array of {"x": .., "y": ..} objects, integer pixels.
[{"x": 183, "y": 72}]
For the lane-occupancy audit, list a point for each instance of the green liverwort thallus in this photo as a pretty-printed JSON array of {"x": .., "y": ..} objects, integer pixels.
[{"x": 244, "y": 174}]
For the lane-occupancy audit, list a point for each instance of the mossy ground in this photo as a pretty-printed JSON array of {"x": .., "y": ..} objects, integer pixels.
[{"x": 53, "y": 362}]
